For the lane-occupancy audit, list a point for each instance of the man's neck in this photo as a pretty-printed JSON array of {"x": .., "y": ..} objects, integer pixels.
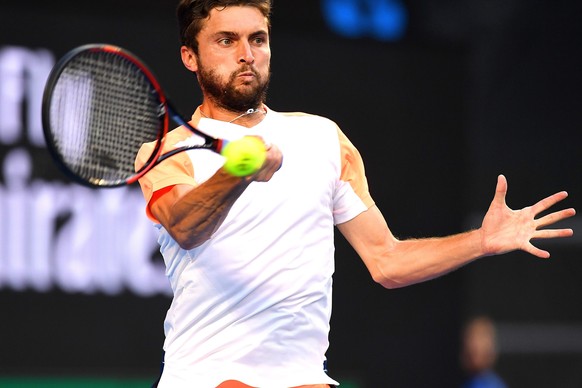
[{"x": 248, "y": 118}]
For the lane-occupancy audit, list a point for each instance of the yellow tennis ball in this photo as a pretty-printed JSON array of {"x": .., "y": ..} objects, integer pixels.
[{"x": 244, "y": 156}]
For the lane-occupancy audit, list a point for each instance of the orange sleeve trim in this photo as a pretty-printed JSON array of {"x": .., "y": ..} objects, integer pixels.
[
  {"x": 352, "y": 169},
  {"x": 173, "y": 171},
  {"x": 155, "y": 196}
]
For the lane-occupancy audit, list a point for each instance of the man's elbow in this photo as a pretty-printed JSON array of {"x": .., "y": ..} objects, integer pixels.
[
  {"x": 384, "y": 268},
  {"x": 388, "y": 282},
  {"x": 187, "y": 239},
  {"x": 388, "y": 279}
]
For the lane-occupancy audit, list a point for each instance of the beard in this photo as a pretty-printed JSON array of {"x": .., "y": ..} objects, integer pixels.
[{"x": 227, "y": 96}]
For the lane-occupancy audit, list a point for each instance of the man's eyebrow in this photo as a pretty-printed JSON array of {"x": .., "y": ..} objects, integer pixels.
[
  {"x": 232, "y": 34},
  {"x": 260, "y": 33},
  {"x": 225, "y": 34}
]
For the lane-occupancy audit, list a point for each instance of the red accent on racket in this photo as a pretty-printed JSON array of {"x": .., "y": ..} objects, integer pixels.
[{"x": 100, "y": 104}]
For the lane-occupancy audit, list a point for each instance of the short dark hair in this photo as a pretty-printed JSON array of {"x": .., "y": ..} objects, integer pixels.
[{"x": 192, "y": 13}]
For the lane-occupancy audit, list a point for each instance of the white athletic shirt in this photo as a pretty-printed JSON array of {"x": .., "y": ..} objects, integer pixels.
[{"x": 253, "y": 303}]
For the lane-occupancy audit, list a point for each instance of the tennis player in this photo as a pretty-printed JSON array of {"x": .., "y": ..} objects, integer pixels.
[{"x": 250, "y": 260}]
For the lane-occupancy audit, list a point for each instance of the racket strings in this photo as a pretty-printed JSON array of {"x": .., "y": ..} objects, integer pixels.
[{"x": 105, "y": 108}]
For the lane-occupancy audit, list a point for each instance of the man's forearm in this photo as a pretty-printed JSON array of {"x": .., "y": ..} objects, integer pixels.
[{"x": 193, "y": 217}]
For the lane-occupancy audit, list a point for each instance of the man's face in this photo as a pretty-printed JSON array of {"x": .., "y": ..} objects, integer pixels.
[{"x": 233, "y": 61}]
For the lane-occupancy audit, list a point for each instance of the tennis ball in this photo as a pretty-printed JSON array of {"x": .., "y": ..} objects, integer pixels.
[{"x": 244, "y": 156}]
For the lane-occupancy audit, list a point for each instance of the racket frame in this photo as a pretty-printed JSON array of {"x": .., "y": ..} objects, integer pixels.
[{"x": 166, "y": 111}]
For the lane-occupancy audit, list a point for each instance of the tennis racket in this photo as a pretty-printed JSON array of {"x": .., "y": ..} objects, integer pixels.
[{"x": 100, "y": 104}]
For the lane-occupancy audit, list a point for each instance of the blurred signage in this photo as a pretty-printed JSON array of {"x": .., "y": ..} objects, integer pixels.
[
  {"x": 384, "y": 20},
  {"x": 55, "y": 234}
]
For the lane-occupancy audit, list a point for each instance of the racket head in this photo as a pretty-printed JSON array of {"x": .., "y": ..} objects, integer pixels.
[{"x": 101, "y": 104}]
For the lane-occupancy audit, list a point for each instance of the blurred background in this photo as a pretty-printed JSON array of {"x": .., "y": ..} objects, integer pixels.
[{"x": 440, "y": 96}]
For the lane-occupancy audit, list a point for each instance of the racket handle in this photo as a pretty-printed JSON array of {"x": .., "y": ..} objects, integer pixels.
[{"x": 217, "y": 145}]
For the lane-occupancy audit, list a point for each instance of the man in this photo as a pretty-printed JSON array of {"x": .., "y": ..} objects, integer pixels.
[
  {"x": 479, "y": 354},
  {"x": 250, "y": 260}
]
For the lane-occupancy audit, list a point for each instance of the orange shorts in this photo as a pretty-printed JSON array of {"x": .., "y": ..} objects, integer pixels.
[{"x": 238, "y": 384}]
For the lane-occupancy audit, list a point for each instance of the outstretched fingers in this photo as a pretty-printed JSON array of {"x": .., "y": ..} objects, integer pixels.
[
  {"x": 550, "y": 219},
  {"x": 548, "y": 202},
  {"x": 554, "y": 217},
  {"x": 533, "y": 250},
  {"x": 552, "y": 233}
]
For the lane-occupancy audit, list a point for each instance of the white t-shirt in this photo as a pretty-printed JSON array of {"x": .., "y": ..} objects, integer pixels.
[{"x": 253, "y": 303}]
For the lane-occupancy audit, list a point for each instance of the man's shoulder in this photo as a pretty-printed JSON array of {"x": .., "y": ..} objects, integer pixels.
[
  {"x": 178, "y": 133},
  {"x": 309, "y": 117}
]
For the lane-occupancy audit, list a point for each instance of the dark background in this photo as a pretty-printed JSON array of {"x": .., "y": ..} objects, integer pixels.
[{"x": 474, "y": 89}]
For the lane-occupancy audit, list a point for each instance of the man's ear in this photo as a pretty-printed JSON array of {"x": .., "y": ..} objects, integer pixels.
[{"x": 189, "y": 59}]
